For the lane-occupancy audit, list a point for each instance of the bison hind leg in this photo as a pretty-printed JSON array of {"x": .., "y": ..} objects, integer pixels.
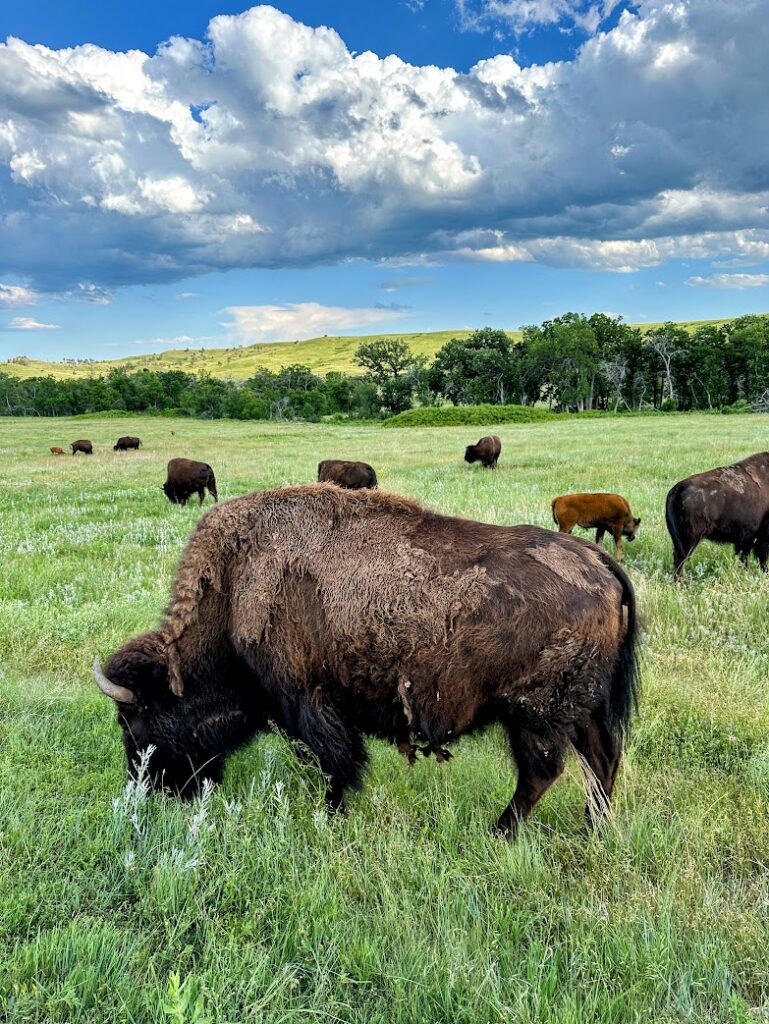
[
  {"x": 338, "y": 747},
  {"x": 539, "y": 758},
  {"x": 600, "y": 752}
]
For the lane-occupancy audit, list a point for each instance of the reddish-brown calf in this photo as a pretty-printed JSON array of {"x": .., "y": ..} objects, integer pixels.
[{"x": 601, "y": 512}]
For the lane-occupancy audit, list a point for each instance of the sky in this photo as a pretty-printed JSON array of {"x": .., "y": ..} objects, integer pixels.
[{"x": 206, "y": 174}]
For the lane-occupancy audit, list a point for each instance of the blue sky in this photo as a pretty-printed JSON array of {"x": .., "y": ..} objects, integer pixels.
[{"x": 247, "y": 175}]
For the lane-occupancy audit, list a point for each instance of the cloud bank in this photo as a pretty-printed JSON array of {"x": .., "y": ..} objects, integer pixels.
[
  {"x": 270, "y": 144},
  {"x": 301, "y": 320}
]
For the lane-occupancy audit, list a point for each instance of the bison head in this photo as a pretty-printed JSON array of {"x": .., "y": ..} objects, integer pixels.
[
  {"x": 185, "y": 747},
  {"x": 170, "y": 492},
  {"x": 471, "y": 455},
  {"x": 631, "y": 526}
]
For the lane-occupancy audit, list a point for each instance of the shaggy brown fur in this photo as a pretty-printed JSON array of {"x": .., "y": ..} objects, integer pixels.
[
  {"x": 352, "y": 475},
  {"x": 727, "y": 505},
  {"x": 82, "y": 446},
  {"x": 599, "y": 512},
  {"x": 339, "y": 613},
  {"x": 57, "y": 451},
  {"x": 486, "y": 451},
  {"x": 186, "y": 477}
]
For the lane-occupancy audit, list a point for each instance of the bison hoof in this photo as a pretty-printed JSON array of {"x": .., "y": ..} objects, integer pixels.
[{"x": 441, "y": 754}]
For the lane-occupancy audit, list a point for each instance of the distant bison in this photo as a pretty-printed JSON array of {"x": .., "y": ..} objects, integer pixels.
[
  {"x": 601, "y": 512},
  {"x": 186, "y": 477},
  {"x": 126, "y": 443},
  {"x": 82, "y": 446},
  {"x": 351, "y": 475},
  {"x": 336, "y": 614},
  {"x": 727, "y": 505},
  {"x": 486, "y": 451},
  {"x": 57, "y": 451}
]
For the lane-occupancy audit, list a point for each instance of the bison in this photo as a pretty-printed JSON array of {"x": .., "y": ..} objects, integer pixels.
[
  {"x": 726, "y": 505},
  {"x": 57, "y": 451},
  {"x": 335, "y": 614},
  {"x": 352, "y": 475},
  {"x": 185, "y": 477},
  {"x": 486, "y": 451},
  {"x": 124, "y": 444},
  {"x": 601, "y": 512},
  {"x": 82, "y": 446}
]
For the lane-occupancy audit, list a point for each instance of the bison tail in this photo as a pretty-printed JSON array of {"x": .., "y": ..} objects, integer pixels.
[
  {"x": 212, "y": 486},
  {"x": 625, "y": 681},
  {"x": 552, "y": 509},
  {"x": 680, "y": 550}
]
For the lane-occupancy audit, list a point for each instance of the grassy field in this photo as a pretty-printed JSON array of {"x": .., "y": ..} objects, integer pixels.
[
  {"x": 250, "y": 904},
  {"x": 320, "y": 354}
]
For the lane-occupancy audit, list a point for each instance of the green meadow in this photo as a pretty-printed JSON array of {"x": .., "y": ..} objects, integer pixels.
[{"x": 251, "y": 904}]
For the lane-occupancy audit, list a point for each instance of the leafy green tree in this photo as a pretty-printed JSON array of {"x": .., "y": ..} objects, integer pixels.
[
  {"x": 394, "y": 369},
  {"x": 485, "y": 367}
]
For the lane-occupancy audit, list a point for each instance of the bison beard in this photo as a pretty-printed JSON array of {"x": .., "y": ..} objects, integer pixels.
[{"x": 337, "y": 614}]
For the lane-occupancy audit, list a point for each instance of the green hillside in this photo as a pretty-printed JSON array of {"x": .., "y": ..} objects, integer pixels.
[{"x": 320, "y": 354}]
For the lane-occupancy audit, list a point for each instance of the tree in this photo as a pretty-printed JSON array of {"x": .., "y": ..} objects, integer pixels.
[
  {"x": 394, "y": 369},
  {"x": 485, "y": 367}
]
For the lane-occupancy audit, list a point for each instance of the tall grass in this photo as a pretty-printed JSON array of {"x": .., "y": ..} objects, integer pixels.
[{"x": 251, "y": 904}]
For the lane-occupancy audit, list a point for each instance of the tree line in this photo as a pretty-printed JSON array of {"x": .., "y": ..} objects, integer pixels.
[{"x": 572, "y": 363}]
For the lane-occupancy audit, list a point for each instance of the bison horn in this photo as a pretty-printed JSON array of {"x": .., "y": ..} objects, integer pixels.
[{"x": 119, "y": 693}]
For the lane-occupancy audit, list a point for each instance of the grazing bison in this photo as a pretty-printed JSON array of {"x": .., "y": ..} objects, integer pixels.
[
  {"x": 186, "y": 477},
  {"x": 486, "y": 451},
  {"x": 57, "y": 451},
  {"x": 82, "y": 446},
  {"x": 726, "y": 505},
  {"x": 352, "y": 475},
  {"x": 124, "y": 444},
  {"x": 337, "y": 613},
  {"x": 600, "y": 512}
]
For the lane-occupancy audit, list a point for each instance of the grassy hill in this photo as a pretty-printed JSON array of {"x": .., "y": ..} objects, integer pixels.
[{"x": 330, "y": 352}]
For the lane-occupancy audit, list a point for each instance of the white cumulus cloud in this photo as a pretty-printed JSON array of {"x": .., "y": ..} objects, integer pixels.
[
  {"x": 28, "y": 323},
  {"x": 299, "y": 321},
  {"x": 270, "y": 144},
  {"x": 737, "y": 281},
  {"x": 16, "y": 295}
]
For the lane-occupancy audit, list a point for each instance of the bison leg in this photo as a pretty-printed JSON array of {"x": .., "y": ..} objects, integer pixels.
[
  {"x": 540, "y": 762},
  {"x": 600, "y": 752},
  {"x": 599, "y": 534},
  {"x": 201, "y": 494},
  {"x": 338, "y": 747},
  {"x": 743, "y": 550},
  {"x": 619, "y": 550}
]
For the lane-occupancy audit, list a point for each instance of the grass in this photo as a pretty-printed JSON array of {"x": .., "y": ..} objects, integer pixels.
[
  {"x": 330, "y": 352},
  {"x": 250, "y": 904}
]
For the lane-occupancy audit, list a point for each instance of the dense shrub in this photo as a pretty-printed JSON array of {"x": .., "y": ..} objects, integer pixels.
[{"x": 469, "y": 415}]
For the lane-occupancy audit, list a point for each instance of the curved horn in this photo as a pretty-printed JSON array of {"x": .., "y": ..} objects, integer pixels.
[{"x": 119, "y": 693}]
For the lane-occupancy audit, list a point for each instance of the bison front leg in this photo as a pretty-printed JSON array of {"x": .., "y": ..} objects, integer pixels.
[
  {"x": 539, "y": 762},
  {"x": 619, "y": 550},
  {"x": 338, "y": 747}
]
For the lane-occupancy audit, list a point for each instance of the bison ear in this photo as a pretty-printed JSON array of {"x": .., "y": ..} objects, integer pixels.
[{"x": 638, "y": 521}]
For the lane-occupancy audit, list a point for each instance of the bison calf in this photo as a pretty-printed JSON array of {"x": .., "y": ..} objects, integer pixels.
[
  {"x": 350, "y": 475},
  {"x": 124, "y": 444},
  {"x": 186, "y": 477},
  {"x": 727, "y": 505},
  {"x": 82, "y": 446},
  {"x": 601, "y": 512},
  {"x": 57, "y": 451},
  {"x": 486, "y": 451}
]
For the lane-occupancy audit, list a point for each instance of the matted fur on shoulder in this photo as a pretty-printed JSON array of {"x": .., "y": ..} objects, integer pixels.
[{"x": 225, "y": 529}]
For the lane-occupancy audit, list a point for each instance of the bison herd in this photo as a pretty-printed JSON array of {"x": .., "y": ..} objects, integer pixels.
[{"x": 338, "y": 611}]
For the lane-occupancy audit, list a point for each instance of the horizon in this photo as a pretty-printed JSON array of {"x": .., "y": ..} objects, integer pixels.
[{"x": 215, "y": 176}]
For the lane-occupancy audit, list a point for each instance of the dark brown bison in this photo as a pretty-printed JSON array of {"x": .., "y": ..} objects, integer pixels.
[
  {"x": 186, "y": 477},
  {"x": 337, "y": 613},
  {"x": 82, "y": 446},
  {"x": 57, "y": 451},
  {"x": 726, "y": 505},
  {"x": 486, "y": 451},
  {"x": 352, "y": 475},
  {"x": 600, "y": 512},
  {"x": 124, "y": 444}
]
